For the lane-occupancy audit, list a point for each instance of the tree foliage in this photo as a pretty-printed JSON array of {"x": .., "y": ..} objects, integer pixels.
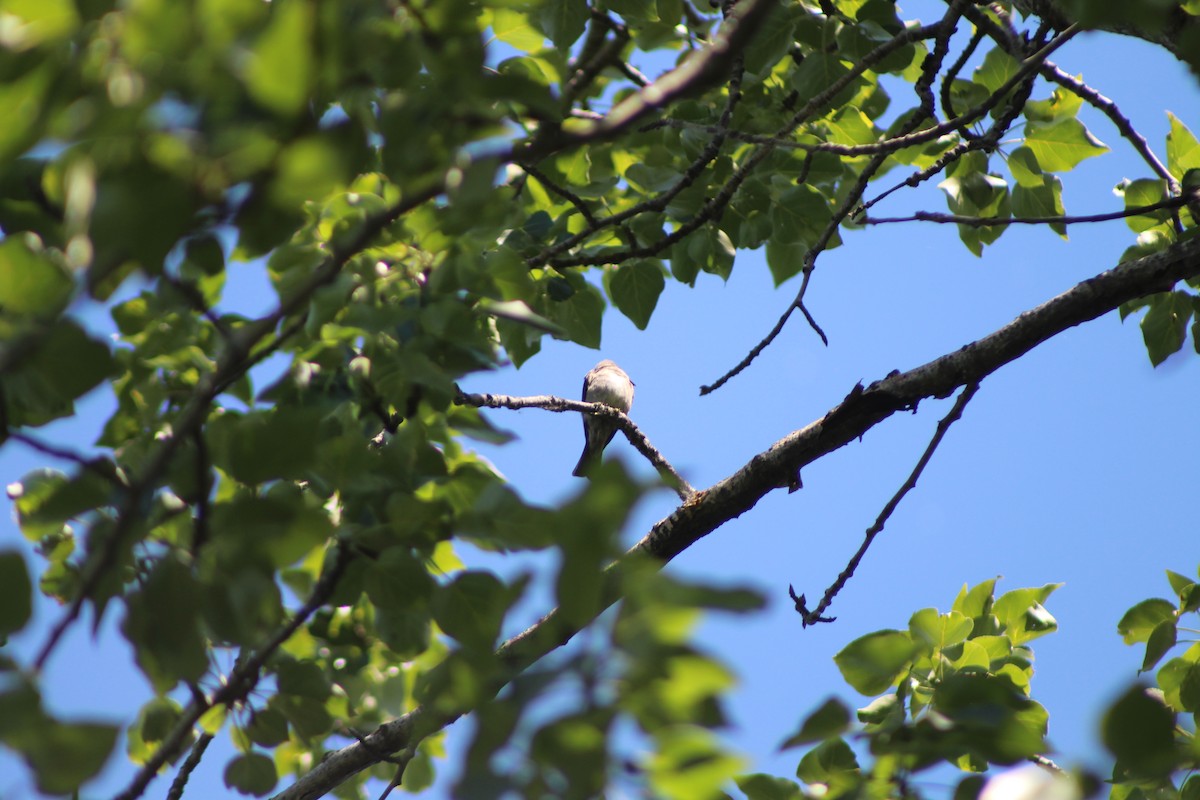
[{"x": 435, "y": 187}]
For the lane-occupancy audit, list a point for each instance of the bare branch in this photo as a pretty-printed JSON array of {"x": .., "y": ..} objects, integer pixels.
[
  {"x": 981, "y": 222},
  {"x": 548, "y": 402},
  {"x": 884, "y": 515}
]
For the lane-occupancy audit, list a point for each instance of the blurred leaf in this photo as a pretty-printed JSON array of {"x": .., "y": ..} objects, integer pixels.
[
  {"x": 302, "y": 679},
  {"x": 759, "y": 786},
  {"x": 65, "y": 755},
  {"x": 563, "y": 22},
  {"x": 471, "y": 608},
  {"x": 267, "y": 728},
  {"x": 830, "y": 764},
  {"x": 1139, "y": 732},
  {"x": 830, "y": 720},
  {"x": 280, "y": 68},
  {"x": 162, "y": 625},
  {"x": 16, "y": 593},
  {"x": 251, "y": 773},
  {"x": 29, "y": 282}
]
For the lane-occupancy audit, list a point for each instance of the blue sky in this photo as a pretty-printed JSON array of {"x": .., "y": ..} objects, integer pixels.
[{"x": 1076, "y": 464}]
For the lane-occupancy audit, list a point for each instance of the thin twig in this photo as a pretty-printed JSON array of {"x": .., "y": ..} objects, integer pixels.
[
  {"x": 548, "y": 402},
  {"x": 846, "y": 574},
  {"x": 754, "y": 351},
  {"x": 97, "y": 465},
  {"x": 241, "y": 679},
  {"x": 562, "y": 192},
  {"x": 979, "y": 222},
  {"x": 189, "y": 766}
]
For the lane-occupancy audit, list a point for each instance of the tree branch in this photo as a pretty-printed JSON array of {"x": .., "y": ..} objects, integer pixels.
[
  {"x": 240, "y": 680},
  {"x": 884, "y": 515},
  {"x": 189, "y": 766},
  {"x": 982, "y": 222},
  {"x": 708, "y": 509},
  {"x": 559, "y": 404}
]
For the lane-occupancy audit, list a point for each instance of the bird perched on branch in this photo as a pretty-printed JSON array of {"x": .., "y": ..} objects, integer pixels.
[{"x": 606, "y": 383}]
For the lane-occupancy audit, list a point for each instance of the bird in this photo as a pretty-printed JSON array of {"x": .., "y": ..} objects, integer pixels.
[{"x": 608, "y": 384}]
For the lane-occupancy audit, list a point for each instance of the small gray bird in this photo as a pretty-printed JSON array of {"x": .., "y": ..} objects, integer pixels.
[{"x": 606, "y": 383}]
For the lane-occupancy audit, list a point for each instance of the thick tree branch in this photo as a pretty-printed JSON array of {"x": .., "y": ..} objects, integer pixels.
[{"x": 707, "y": 510}]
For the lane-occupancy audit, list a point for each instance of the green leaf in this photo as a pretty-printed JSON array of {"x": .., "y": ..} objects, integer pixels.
[
  {"x": 1161, "y": 640},
  {"x": 65, "y": 755},
  {"x": 831, "y": 764},
  {"x": 939, "y": 631},
  {"x": 635, "y": 287},
  {"x": 1023, "y": 165},
  {"x": 1164, "y": 328},
  {"x": 799, "y": 215},
  {"x": 1063, "y": 104},
  {"x": 1144, "y": 192},
  {"x": 262, "y": 445},
  {"x": 976, "y": 602},
  {"x": 471, "y": 608},
  {"x": 563, "y": 22},
  {"x": 1183, "y": 150},
  {"x": 29, "y": 282},
  {"x": 579, "y": 313},
  {"x": 40, "y": 22},
  {"x": 280, "y": 68},
  {"x": 1140, "y": 731},
  {"x": 276, "y": 529},
  {"x": 157, "y": 719},
  {"x": 514, "y": 29},
  {"x": 163, "y": 626},
  {"x": 772, "y": 39},
  {"x": 832, "y": 719},
  {"x": 1060, "y": 146},
  {"x": 1139, "y": 622},
  {"x": 1022, "y": 615},
  {"x": 302, "y": 679},
  {"x": 760, "y": 786},
  {"x": 1044, "y": 200},
  {"x": 688, "y": 763},
  {"x": 16, "y": 593},
  {"x": 45, "y": 385},
  {"x": 251, "y": 773},
  {"x": 267, "y": 728},
  {"x": 634, "y": 9},
  {"x": 997, "y": 68},
  {"x": 873, "y": 663},
  {"x": 1179, "y": 583}
]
